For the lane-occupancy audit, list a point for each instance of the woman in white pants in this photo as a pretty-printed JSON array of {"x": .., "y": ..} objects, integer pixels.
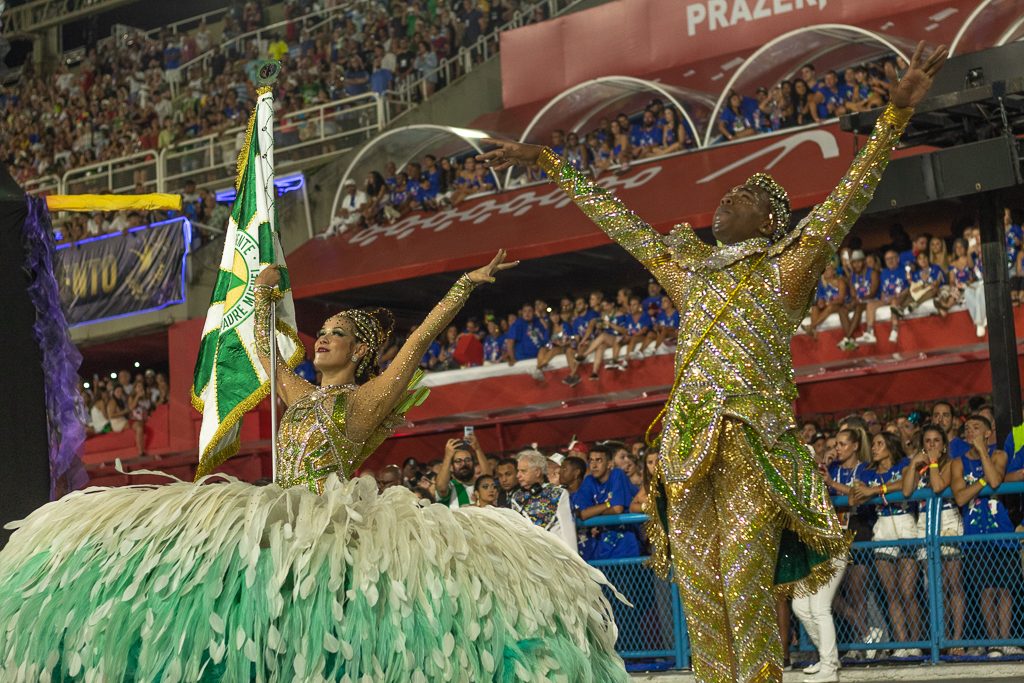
[
  {"x": 815, "y": 613},
  {"x": 932, "y": 468}
]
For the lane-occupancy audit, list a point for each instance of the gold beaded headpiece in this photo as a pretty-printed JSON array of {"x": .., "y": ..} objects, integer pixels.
[
  {"x": 778, "y": 200},
  {"x": 372, "y": 327}
]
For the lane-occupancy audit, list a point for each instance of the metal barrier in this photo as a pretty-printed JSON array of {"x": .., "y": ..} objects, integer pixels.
[
  {"x": 931, "y": 594},
  {"x": 299, "y": 138}
]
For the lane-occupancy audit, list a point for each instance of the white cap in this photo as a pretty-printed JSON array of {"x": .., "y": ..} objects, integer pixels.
[{"x": 556, "y": 458}]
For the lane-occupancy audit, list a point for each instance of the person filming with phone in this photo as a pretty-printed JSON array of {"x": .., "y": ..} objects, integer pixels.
[{"x": 458, "y": 473}]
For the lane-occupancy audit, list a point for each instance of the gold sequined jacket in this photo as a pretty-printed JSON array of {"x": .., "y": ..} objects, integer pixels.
[
  {"x": 314, "y": 436},
  {"x": 743, "y": 368}
]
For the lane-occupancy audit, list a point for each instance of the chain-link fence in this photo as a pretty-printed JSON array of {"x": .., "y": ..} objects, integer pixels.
[{"x": 921, "y": 590}]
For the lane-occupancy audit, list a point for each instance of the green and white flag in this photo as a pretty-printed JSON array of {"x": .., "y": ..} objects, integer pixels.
[{"x": 229, "y": 380}]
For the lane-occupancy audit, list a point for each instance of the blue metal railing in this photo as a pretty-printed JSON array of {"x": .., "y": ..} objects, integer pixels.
[{"x": 652, "y": 630}]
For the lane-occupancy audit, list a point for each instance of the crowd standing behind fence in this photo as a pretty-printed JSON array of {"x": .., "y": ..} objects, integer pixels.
[{"x": 936, "y": 570}]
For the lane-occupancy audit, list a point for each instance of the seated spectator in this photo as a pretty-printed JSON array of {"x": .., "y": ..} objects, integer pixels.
[
  {"x": 959, "y": 275},
  {"x": 864, "y": 282},
  {"x": 646, "y": 136},
  {"x": 777, "y": 110},
  {"x": 350, "y": 210},
  {"x": 993, "y": 566},
  {"x": 893, "y": 291},
  {"x": 559, "y": 336},
  {"x": 638, "y": 326},
  {"x": 621, "y": 148},
  {"x": 555, "y": 468},
  {"x": 485, "y": 491},
  {"x": 576, "y": 153},
  {"x": 831, "y": 297},
  {"x": 546, "y": 505},
  {"x": 805, "y": 103},
  {"x": 653, "y": 298},
  {"x": 734, "y": 123},
  {"x": 525, "y": 337},
  {"x": 926, "y": 281},
  {"x": 449, "y": 347},
  {"x": 666, "y": 325},
  {"x": 607, "y": 491},
  {"x": 608, "y": 332},
  {"x": 623, "y": 459},
  {"x": 831, "y": 97},
  {"x": 469, "y": 349},
  {"x": 494, "y": 344},
  {"x": 98, "y": 421},
  {"x": 675, "y": 134},
  {"x": 119, "y": 415}
]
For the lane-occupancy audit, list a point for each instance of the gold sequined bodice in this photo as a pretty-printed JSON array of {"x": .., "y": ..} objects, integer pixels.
[{"x": 311, "y": 439}]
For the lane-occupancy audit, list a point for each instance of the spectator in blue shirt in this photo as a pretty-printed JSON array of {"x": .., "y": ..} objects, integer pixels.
[
  {"x": 646, "y": 136},
  {"x": 893, "y": 291},
  {"x": 494, "y": 344},
  {"x": 525, "y": 336},
  {"x": 607, "y": 491},
  {"x": 942, "y": 416},
  {"x": 559, "y": 337},
  {"x": 653, "y": 298},
  {"x": 925, "y": 281},
  {"x": 994, "y": 566},
  {"x": 581, "y": 329},
  {"x": 666, "y": 325},
  {"x": 863, "y": 288},
  {"x": 380, "y": 79},
  {"x": 356, "y": 78},
  {"x": 639, "y": 329},
  {"x": 830, "y": 100},
  {"x": 570, "y": 476},
  {"x": 896, "y": 565},
  {"x": 733, "y": 122}
]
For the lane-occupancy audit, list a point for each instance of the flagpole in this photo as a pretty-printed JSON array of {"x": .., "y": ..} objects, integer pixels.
[{"x": 273, "y": 389}]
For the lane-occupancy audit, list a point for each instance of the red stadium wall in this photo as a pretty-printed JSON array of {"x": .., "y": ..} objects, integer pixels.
[
  {"x": 935, "y": 359},
  {"x": 642, "y": 37}
]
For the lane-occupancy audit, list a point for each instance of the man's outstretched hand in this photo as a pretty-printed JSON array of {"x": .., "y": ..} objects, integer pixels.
[
  {"x": 917, "y": 81},
  {"x": 507, "y": 154}
]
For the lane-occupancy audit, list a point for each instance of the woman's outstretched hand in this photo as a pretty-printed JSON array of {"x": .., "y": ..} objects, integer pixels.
[
  {"x": 497, "y": 264},
  {"x": 917, "y": 81},
  {"x": 507, "y": 154}
]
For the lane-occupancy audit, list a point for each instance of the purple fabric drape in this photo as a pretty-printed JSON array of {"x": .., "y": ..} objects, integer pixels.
[{"x": 65, "y": 410}]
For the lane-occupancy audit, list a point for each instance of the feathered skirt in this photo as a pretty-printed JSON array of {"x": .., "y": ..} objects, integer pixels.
[{"x": 226, "y": 581}]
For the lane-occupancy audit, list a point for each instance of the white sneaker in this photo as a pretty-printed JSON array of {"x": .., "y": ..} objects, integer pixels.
[
  {"x": 867, "y": 338},
  {"x": 649, "y": 352},
  {"x": 636, "y": 355},
  {"x": 823, "y": 677},
  {"x": 980, "y": 330},
  {"x": 901, "y": 653},
  {"x": 1012, "y": 650},
  {"x": 813, "y": 668},
  {"x": 875, "y": 635},
  {"x": 894, "y": 336},
  {"x": 995, "y": 652},
  {"x": 915, "y": 652},
  {"x": 975, "y": 652},
  {"x": 537, "y": 374}
]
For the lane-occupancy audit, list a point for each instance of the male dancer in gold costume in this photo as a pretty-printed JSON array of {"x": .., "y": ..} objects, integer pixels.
[{"x": 743, "y": 505}]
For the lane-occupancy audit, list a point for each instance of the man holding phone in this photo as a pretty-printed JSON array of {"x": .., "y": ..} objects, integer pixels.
[{"x": 457, "y": 476}]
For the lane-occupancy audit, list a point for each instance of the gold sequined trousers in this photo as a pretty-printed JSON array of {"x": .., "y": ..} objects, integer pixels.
[{"x": 724, "y": 536}]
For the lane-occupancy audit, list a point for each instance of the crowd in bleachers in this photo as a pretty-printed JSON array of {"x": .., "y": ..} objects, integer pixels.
[
  {"x": 808, "y": 99},
  {"x": 943, "y": 446},
  {"x": 123, "y": 401},
  {"x": 389, "y": 194},
  {"x": 928, "y": 274},
  {"x": 912, "y": 277},
  {"x": 144, "y": 93}
]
